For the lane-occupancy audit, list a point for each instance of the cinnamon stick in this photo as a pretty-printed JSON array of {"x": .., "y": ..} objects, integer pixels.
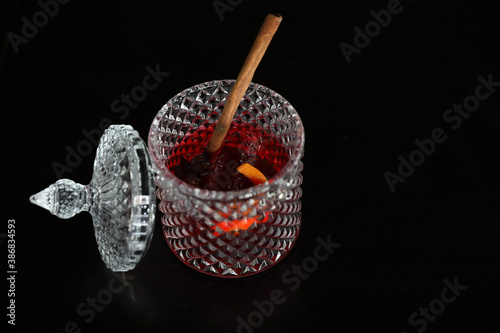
[{"x": 259, "y": 47}]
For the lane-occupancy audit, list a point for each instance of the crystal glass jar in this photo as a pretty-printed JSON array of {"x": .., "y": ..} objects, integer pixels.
[{"x": 203, "y": 227}]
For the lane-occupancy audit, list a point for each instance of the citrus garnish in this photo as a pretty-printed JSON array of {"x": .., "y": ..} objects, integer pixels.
[{"x": 252, "y": 173}]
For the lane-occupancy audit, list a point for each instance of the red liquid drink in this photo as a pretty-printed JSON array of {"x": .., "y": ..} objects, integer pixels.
[
  {"x": 244, "y": 143},
  {"x": 240, "y": 230},
  {"x": 215, "y": 218}
]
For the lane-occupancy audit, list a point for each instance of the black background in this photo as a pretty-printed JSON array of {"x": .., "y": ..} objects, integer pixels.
[{"x": 396, "y": 248}]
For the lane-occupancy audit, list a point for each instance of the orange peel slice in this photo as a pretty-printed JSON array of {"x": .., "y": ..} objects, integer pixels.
[
  {"x": 252, "y": 173},
  {"x": 236, "y": 226}
]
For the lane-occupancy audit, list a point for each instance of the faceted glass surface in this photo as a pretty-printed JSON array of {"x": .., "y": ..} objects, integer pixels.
[
  {"x": 199, "y": 224},
  {"x": 120, "y": 198},
  {"x": 123, "y": 190}
]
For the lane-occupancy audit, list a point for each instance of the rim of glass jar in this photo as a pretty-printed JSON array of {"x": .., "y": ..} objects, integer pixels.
[{"x": 204, "y": 194}]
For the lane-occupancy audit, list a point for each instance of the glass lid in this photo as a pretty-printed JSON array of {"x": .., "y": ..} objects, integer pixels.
[{"x": 120, "y": 198}]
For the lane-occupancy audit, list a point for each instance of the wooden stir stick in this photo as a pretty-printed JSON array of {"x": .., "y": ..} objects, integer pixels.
[{"x": 259, "y": 47}]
